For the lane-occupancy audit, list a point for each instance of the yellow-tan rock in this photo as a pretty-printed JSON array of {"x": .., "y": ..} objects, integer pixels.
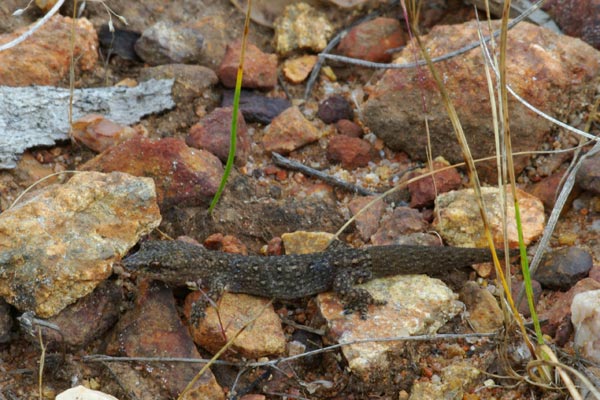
[
  {"x": 61, "y": 243},
  {"x": 459, "y": 220},
  {"x": 262, "y": 335}
]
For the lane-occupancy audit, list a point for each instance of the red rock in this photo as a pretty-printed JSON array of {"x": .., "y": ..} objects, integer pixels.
[
  {"x": 348, "y": 128},
  {"x": 289, "y": 131},
  {"x": 370, "y": 40},
  {"x": 547, "y": 189},
  {"x": 351, "y": 152},
  {"x": 261, "y": 338},
  {"x": 182, "y": 175},
  {"x": 88, "y": 319},
  {"x": 423, "y": 192},
  {"x": 44, "y": 58},
  {"x": 153, "y": 329},
  {"x": 225, "y": 243},
  {"x": 260, "y": 69},
  {"x": 99, "y": 133},
  {"x": 213, "y": 133},
  {"x": 578, "y": 18},
  {"x": 547, "y": 69},
  {"x": 253, "y": 397},
  {"x": 367, "y": 222}
]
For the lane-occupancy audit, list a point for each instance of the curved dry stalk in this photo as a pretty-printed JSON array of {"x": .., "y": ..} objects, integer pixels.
[
  {"x": 573, "y": 391},
  {"x": 24, "y": 192},
  {"x": 34, "y": 27}
]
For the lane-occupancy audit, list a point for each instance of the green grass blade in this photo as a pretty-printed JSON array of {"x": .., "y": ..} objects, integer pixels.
[{"x": 234, "y": 116}]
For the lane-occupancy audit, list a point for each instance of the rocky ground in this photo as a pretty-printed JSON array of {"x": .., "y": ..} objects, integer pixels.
[{"x": 146, "y": 153}]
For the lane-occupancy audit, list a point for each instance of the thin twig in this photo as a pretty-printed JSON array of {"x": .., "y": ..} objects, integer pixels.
[
  {"x": 331, "y": 45},
  {"x": 284, "y": 162},
  {"x": 420, "y": 338}
]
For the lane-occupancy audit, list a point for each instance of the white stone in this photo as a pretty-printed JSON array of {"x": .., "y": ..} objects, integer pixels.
[
  {"x": 585, "y": 315},
  {"x": 83, "y": 393}
]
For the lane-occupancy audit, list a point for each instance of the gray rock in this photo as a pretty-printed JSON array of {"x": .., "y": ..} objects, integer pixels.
[
  {"x": 256, "y": 107},
  {"x": 588, "y": 176},
  {"x": 563, "y": 268},
  {"x": 59, "y": 244},
  {"x": 6, "y": 321},
  {"x": 165, "y": 43},
  {"x": 38, "y": 115},
  {"x": 191, "y": 81}
]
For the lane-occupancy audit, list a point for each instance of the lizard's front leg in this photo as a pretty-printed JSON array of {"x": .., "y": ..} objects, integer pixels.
[
  {"x": 215, "y": 289},
  {"x": 354, "y": 299}
]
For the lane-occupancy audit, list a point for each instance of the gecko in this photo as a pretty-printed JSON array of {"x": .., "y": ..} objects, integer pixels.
[{"x": 289, "y": 277}]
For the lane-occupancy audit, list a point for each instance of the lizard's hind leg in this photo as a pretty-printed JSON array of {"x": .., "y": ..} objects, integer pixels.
[{"x": 354, "y": 299}]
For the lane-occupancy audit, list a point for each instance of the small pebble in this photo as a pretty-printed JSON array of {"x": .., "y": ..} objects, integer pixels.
[
  {"x": 563, "y": 268},
  {"x": 334, "y": 109},
  {"x": 165, "y": 43},
  {"x": 256, "y": 107}
]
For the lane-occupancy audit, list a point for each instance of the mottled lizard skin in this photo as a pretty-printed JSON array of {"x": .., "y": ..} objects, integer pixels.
[{"x": 295, "y": 276}]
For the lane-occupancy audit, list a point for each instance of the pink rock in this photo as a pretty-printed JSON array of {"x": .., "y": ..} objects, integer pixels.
[
  {"x": 182, "y": 175},
  {"x": 595, "y": 272},
  {"x": 43, "y": 59},
  {"x": 289, "y": 131},
  {"x": 423, "y": 192},
  {"x": 368, "y": 221},
  {"x": 99, "y": 133},
  {"x": 351, "y": 152},
  {"x": 370, "y": 40},
  {"x": 523, "y": 305},
  {"x": 260, "y": 69},
  {"x": 403, "y": 221},
  {"x": 213, "y": 133}
]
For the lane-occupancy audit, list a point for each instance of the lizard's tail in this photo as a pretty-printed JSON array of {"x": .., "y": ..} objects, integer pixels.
[{"x": 394, "y": 260}]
